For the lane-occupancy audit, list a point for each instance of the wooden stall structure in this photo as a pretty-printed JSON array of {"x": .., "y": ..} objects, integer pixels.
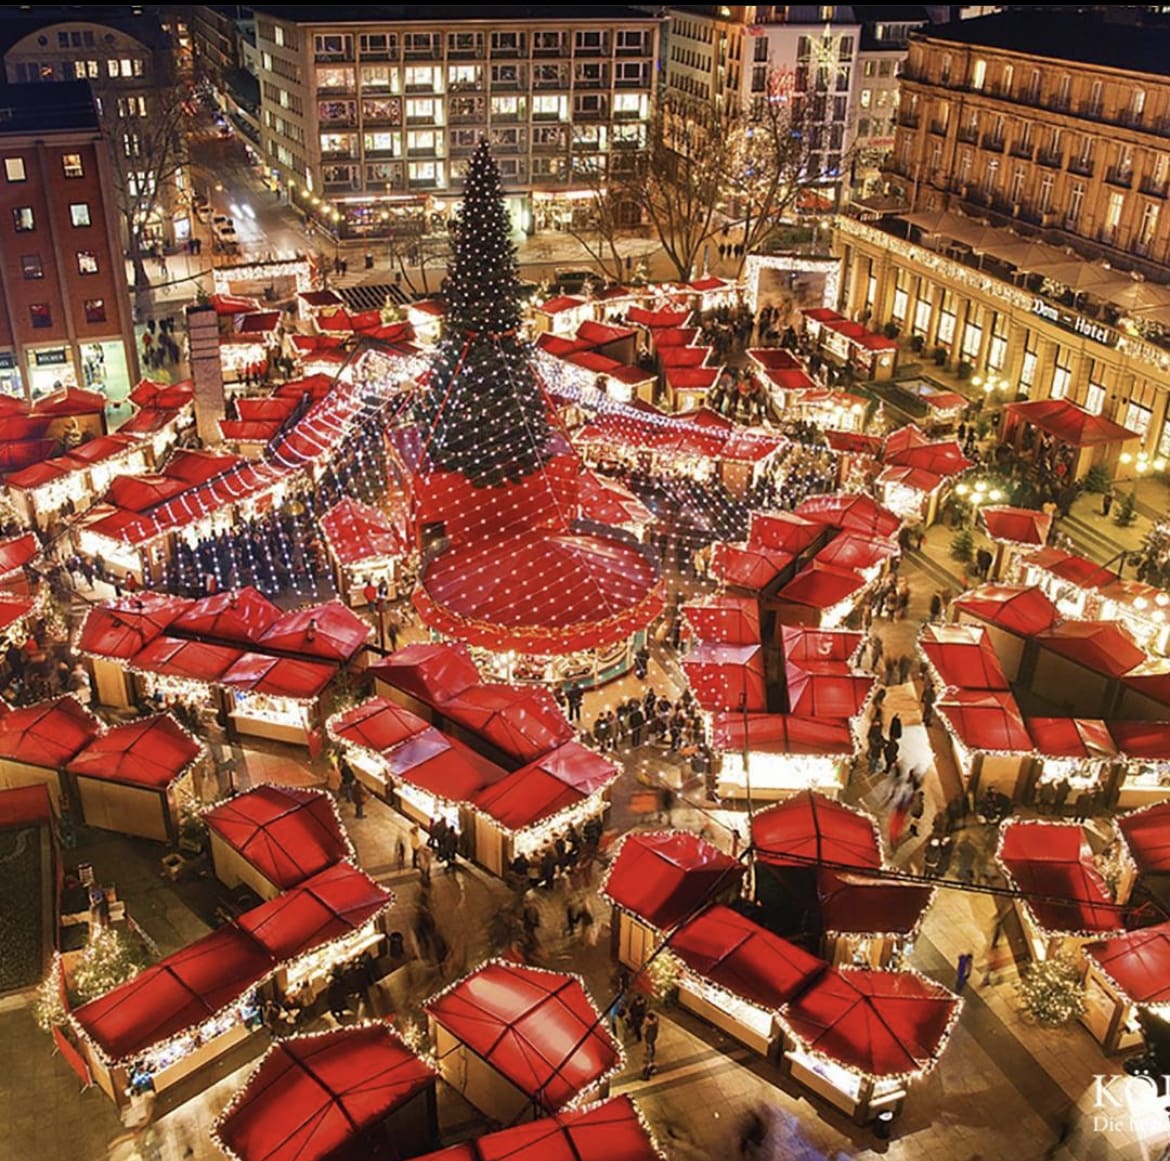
[
  {"x": 39, "y": 740},
  {"x": 1122, "y": 977},
  {"x": 1011, "y": 614}
]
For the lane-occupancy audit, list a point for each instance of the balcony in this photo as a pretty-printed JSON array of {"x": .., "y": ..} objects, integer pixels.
[
  {"x": 423, "y": 52},
  {"x": 587, "y": 115},
  {"x": 1121, "y": 176},
  {"x": 387, "y": 153},
  {"x": 1053, "y": 159},
  {"x": 425, "y": 151},
  {"x": 1023, "y": 150},
  {"x": 968, "y": 134},
  {"x": 1058, "y": 104},
  {"x": 939, "y": 128},
  {"x": 908, "y": 119},
  {"x": 992, "y": 142},
  {"x": 1154, "y": 189},
  {"x": 547, "y": 50},
  {"x": 587, "y": 82},
  {"x": 427, "y": 89},
  {"x": 1082, "y": 166},
  {"x": 1132, "y": 118}
]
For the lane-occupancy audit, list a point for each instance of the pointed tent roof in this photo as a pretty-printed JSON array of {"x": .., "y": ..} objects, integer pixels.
[
  {"x": 1105, "y": 647},
  {"x": 522, "y": 721},
  {"x": 1070, "y": 424},
  {"x": 1067, "y": 566},
  {"x": 433, "y": 673},
  {"x": 784, "y": 531},
  {"x": 986, "y": 719},
  {"x": 376, "y": 725},
  {"x": 1147, "y": 834},
  {"x": 856, "y": 904},
  {"x": 730, "y": 619},
  {"x": 237, "y": 615},
  {"x": 47, "y": 733},
  {"x": 721, "y": 676},
  {"x": 1020, "y": 609},
  {"x": 809, "y": 829},
  {"x": 152, "y": 751},
  {"x": 123, "y": 628},
  {"x": 852, "y": 511},
  {"x": 329, "y": 632},
  {"x": 1017, "y": 525},
  {"x": 962, "y": 656},
  {"x": 746, "y": 566},
  {"x": 804, "y": 645},
  {"x": 1071, "y": 738},
  {"x": 1138, "y": 964}
]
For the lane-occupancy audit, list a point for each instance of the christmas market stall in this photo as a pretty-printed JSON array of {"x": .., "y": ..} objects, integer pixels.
[
  {"x": 657, "y": 880},
  {"x": 1143, "y": 609},
  {"x": 349, "y": 1092},
  {"x": 278, "y": 698},
  {"x": 1071, "y": 582},
  {"x": 1085, "y": 661},
  {"x": 1066, "y": 440},
  {"x": 867, "y": 920},
  {"x": 510, "y": 724},
  {"x": 328, "y": 632},
  {"x": 520, "y": 1042},
  {"x": 961, "y": 656},
  {"x": 1064, "y": 901},
  {"x": 989, "y": 739},
  {"x": 1123, "y": 977},
  {"x": 859, "y": 1038},
  {"x": 819, "y": 596},
  {"x": 232, "y": 617},
  {"x": 176, "y": 669},
  {"x": 1144, "y": 746},
  {"x": 610, "y": 503},
  {"x": 1146, "y": 833},
  {"x": 137, "y": 777},
  {"x": 273, "y": 838},
  {"x": 750, "y": 568},
  {"x": 367, "y": 546},
  {"x": 420, "y": 677},
  {"x": 37, "y": 741},
  {"x": 1011, "y": 614},
  {"x": 368, "y": 731},
  {"x": 1077, "y": 753},
  {"x": 851, "y": 512},
  {"x": 730, "y": 619}
]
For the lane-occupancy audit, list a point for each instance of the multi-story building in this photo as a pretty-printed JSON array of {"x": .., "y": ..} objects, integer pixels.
[
  {"x": 64, "y": 305},
  {"x": 370, "y": 113},
  {"x": 132, "y": 59},
  {"x": 1060, "y": 131}
]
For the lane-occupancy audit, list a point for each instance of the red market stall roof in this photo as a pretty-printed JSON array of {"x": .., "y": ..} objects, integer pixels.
[
  {"x": 123, "y": 628},
  {"x": 664, "y": 877},
  {"x": 1020, "y": 609},
  {"x": 725, "y": 676},
  {"x": 1105, "y": 647},
  {"x": 558, "y": 781},
  {"x": 730, "y": 619},
  {"x": 944, "y": 458},
  {"x": 312, "y": 1095},
  {"x": 851, "y": 511},
  {"x": 821, "y": 586},
  {"x": 774, "y": 358},
  {"x": 560, "y": 347},
  {"x": 1051, "y": 865},
  {"x": 538, "y": 1029},
  {"x": 804, "y": 645},
  {"x": 279, "y": 676},
  {"x": 908, "y": 436},
  {"x": 1070, "y": 424},
  {"x": 657, "y": 319},
  {"x": 37, "y": 475},
  {"x": 180, "y": 993},
  {"x": 358, "y": 532},
  {"x": 433, "y": 673},
  {"x": 377, "y": 725},
  {"x": 1071, "y": 738},
  {"x": 1147, "y": 834},
  {"x": 1142, "y": 741},
  {"x": 151, "y": 752},
  {"x": 822, "y": 314},
  {"x": 287, "y": 834},
  {"x": 48, "y": 733},
  {"x": 25, "y": 806},
  {"x": 330, "y": 905},
  {"x": 248, "y": 431},
  {"x": 561, "y": 303},
  {"x": 673, "y": 358},
  {"x": 915, "y": 479},
  {"x": 1017, "y": 525},
  {"x": 783, "y": 530},
  {"x": 19, "y": 454},
  {"x": 781, "y": 734},
  {"x": 163, "y": 396},
  {"x": 238, "y": 615},
  {"x": 262, "y": 322},
  {"x": 703, "y": 379},
  {"x": 272, "y": 407},
  {"x": 541, "y": 592},
  {"x": 16, "y": 552},
  {"x": 12, "y": 610},
  {"x": 320, "y": 298},
  {"x": 862, "y": 905},
  {"x": 197, "y": 465},
  {"x": 986, "y": 719},
  {"x": 71, "y": 401},
  {"x": 606, "y": 501},
  {"x": 442, "y": 766},
  {"x": 745, "y": 959},
  {"x": 335, "y": 321},
  {"x": 143, "y": 492},
  {"x": 873, "y": 342},
  {"x": 522, "y": 721},
  {"x": 746, "y": 566},
  {"x": 609, "y": 1131},
  {"x": 1137, "y": 963},
  {"x": 962, "y": 656},
  {"x": 852, "y": 550},
  {"x": 878, "y": 1023},
  {"x": 814, "y": 694},
  {"x": 177, "y": 657},
  {"x": 809, "y": 829},
  {"x": 234, "y": 304},
  {"x": 146, "y": 422},
  {"x": 1077, "y": 570},
  {"x": 330, "y": 632}
]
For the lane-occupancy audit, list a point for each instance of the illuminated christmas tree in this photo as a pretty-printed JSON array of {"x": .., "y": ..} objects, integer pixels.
[{"x": 484, "y": 411}]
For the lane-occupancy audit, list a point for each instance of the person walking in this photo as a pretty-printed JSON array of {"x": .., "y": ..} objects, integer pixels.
[
  {"x": 650, "y": 1037},
  {"x": 928, "y": 696},
  {"x": 1107, "y": 501},
  {"x": 358, "y": 795},
  {"x": 896, "y": 727},
  {"x": 636, "y": 1015},
  {"x": 963, "y": 970}
]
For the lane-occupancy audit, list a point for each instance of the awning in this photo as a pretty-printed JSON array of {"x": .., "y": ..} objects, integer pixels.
[
  {"x": 986, "y": 719},
  {"x": 853, "y": 904},
  {"x": 783, "y": 531},
  {"x": 376, "y": 725},
  {"x": 430, "y": 673},
  {"x": 728, "y": 619},
  {"x": 1071, "y": 738},
  {"x": 1138, "y": 964},
  {"x": 1142, "y": 741},
  {"x": 48, "y": 733},
  {"x": 962, "y": 656},
  {"x": 726, "y": 677},
  {"x": 782, "y": 734},
  {"x": 1147, "y": 834},
  {"x": 826, "y": 689},
  {"x": 1070, "y": 424},
  {"x": 1017, "y": 525},
  {"x": 1020, "y": 609},
  {"x": 1065, "y": 566},
  {"x": 808, "y": 830},
  {"x": 330, "y": 632},
  {"x": 152, "y": 752},
  {"x": 804, "y": 645}
]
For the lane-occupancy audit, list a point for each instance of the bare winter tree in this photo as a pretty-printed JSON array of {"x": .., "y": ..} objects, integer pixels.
[{"x": 601, "y": 219}]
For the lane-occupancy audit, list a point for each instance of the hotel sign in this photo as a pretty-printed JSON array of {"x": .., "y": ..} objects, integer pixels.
[{"x": 1079, "y": 325}]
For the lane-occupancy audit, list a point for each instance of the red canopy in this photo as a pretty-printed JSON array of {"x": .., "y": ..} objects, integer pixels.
[
  {"x": 143, "y": 492},
  {"x": 48, "y": 733},
  {"x": 556, "y": 782},
  {"x": 331, "y": 904},
  {"x": 287, "y": 834},
  {"x": 852, "y": 550},
  {"x": 376, "y": 725},
  {"x": 1020, "y": 609},
  {"x": 123, "y": 628},
  {"x": 536, "y": 1028},
  {"x": 1102, "y": 646},
  {"x": 1017, "y": 525},
  {"x": 782, "y": 734},
  {"x": 330, "y": 632},
  {"x": 804, "y": 645},
  {"x": 71, "y": 401},
  {"x": 12, "y": 610},
  {"x": 182, "y": 992},
  {"x": 1147, "y": 834},
  {"x": 916, "y": 479},
  {"x": 730, "y": 619},
  {"x": 1138, "y": 964},
  {"x": 852, "y": 511},
  {"x": 944, "y": 458},
  {"x": 879, "y": 1023},
  {"x": 808, "y": 829},
  {"x": 151, "y": 751},
  {"x": 962, "y": 656},
  {"x": 279, "y": 676},
  {"x": 820, "y": 586},
  {"x": 1051, "y": 865},
  {"x": 271, "y": 408},
  {"x": 522, "y": 721},
  {"x": 666, "y": 877},
  {"x": 773, "y": 358},
  {"x": 198, "y": 465},
  {"x": 16, "y": 552},
  {"x": 829, "y": 690},
  {"x": 431, "y": 673},
  {"x": 23, "y": 806},
  {"x": 748, "y": 567},
  {"x": 744, "y": 958},
  {"x": 237, "y": 615},
  {"x": 862, "y": 905},
  {"x": 234, "y": 304},
  {"x": 784, "y": 531},
  {"x": 1070, "y": 424},
  {"x": 610, "y": 1131},
  {"x": 1077, "y": 570},
  {"x": 560, "y": 303},
  {"x": 1148, "y": 741},
  {"x": 312, "y": 1095},
  {"x": 657, "y": 318},
  {"x": 727, "y": 676},
  {"x": 907, "y": 436},
  {"x": 442, "y": 766},
  {"x": 1071, "y": 738},
  {"x": 162, "y": 396},
  {"x": 986, "y": 719},
  {"x": 358, "y": 532},
  {"x": 540, "y": 591},
  {"x": 194, "y": 660},
  {"x": 606, "y": 501}
]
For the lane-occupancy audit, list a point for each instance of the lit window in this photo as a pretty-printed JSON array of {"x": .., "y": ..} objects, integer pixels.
[
  {"x": 79, "y": 214},
  {"x": 71, "y": 165},
  {"x": 87, "y": 262},
  {"x": 40, "y": 316},
  {"x": 31, "y": 266},
  {"x": 14, "y": 169},
  {"x": 22, "y": 219},
  {"x": 95, "y": 310}
]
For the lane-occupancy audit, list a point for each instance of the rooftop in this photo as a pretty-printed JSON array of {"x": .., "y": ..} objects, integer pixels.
[
  {"x": 368, "y": 14},
  {"x": 18, "y": 20},
  {"x": 61, "y": 108}
]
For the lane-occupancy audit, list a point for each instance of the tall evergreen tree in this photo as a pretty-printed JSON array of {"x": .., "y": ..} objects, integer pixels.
[{"x": 483, "y": 409}]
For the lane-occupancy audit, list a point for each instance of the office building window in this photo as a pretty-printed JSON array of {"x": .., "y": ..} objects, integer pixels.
[
  {"x": 95, "y": 310},
  {"x": 31, "y": 266},
  {"x": 14, "y": 169},
  {"x": 87, "y": 262},
  {"x": 71, "y": 165},
  {"x": 40, "y": 316},
  {"x": 22, "y": 219},
  {"x": 79, "y": 214}
]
